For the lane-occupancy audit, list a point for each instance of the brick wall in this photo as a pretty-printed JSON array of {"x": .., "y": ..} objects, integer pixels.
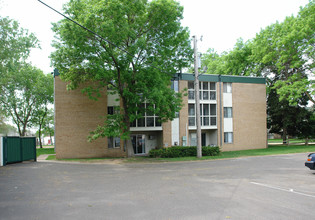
[
  {"x": 75, "y": 117},
  {"x": 249, "y": 117}
]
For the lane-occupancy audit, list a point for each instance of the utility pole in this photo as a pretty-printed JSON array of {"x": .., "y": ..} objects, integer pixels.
[{"x": 197, "y": 101}]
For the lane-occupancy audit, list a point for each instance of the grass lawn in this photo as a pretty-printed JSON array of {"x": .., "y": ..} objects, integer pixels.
[
  {"x": 271, "y": 150},
  {"x": 40, "y": 151},
  {"x": 291, "y": 141}
]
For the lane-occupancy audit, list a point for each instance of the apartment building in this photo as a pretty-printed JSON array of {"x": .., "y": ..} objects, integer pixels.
[{"x": 232, "y": 113}]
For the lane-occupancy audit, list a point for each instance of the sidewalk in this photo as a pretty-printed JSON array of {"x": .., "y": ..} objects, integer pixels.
[{"x": 43, "y": 157}]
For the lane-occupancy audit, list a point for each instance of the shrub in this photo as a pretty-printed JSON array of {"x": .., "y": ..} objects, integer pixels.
[{"x": 181, "y": 151}]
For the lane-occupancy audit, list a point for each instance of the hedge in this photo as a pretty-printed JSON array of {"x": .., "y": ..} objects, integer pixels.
[{"x": 181, "y": 151}]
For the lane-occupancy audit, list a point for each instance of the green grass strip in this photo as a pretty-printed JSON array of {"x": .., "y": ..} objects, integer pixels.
[
  {"x": 40, "y": 151},
  {"x": 271, "y": 150}
]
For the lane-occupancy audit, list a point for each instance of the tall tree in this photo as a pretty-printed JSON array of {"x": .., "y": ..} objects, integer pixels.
[
  {"x": 285, "y": 119},
  {"x": 145, "y": 45},
  {"x": 285, "y": 52},
  {"x": 234, "y": 62},
  {"x": 23, "y": 92},
  {"x": 15, "y": 45}
]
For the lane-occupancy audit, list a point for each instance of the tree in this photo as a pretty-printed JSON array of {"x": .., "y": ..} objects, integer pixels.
[
  {"x": 234, "y": 62},
  {"x": 23, "y": 92},
  {"x": 284, "y": 54},
  {"x": 306, "y": 129},
  {"x": 286, "y": 51},
  {"x": 15, "y": 46},
  {"x": 48, "y": 126},
  {"x": 41, "y": 113},
  {"x": 285, "y": 119},
  {"x": 144, "y": 47}
]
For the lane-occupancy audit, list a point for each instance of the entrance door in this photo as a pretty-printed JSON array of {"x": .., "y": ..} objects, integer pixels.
[
  {"x": 138, "y": 143},
  {"x": 203, "y": 139}
]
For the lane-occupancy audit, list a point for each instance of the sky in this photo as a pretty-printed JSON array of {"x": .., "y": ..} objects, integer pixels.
[{"x": 220, "y": 22}]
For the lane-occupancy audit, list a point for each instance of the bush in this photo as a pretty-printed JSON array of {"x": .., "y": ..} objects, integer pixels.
[{"x": 180, "y": 151}]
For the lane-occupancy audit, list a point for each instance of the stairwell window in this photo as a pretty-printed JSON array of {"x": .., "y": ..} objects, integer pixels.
[
  {"x": 227, "y": 87},
  {"x": 148, "y": 118},
  {"x": 207, "y": 91},
  {"x": 228, "y": 112},
  {"x": 228, "y": 137},
  {"x": 207, "y": 114}
]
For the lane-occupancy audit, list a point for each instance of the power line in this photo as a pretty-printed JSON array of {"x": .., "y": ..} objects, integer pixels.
[{"x": 102, "y": 38}]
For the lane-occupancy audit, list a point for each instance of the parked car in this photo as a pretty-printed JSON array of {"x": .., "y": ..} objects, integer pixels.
[{"x": 310, "y": 163}]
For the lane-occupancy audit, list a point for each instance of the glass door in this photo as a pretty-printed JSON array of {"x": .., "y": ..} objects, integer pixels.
[{"x": 138, "y": 143}]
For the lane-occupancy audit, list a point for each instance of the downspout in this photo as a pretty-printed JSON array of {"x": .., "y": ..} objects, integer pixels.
[
  {"x": 220, "y": 97},
  {"x": 54, "y": 113}
]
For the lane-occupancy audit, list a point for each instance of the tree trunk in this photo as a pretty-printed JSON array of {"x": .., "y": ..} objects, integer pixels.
[
  {"x": 40, "y": 138},
  {"x": 51, "y": 141},
  {"x": 128, "y": 144},
  {"x": 284, "y": 136},
  {"x": 24, "y": 130},
  {"x": 129, "y": 148},
  {"x": 306, "y": 141}
]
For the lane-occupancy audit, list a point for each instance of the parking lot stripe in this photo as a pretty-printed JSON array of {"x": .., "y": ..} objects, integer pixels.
[{"x": 282, "y": 189}]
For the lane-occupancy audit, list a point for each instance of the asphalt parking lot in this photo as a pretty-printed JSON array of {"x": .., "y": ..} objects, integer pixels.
[{"x": 269, "y": 187}]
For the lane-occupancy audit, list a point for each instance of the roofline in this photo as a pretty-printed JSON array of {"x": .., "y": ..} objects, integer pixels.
[{"x": 223, "y": 78}]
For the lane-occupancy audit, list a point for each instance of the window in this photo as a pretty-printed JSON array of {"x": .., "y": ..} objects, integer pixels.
[
  {"x": 191, "y": 90},
  {"x": 227, "y": 87},
  {"x": 191, "y": 109},
  {"x": 207, "y": 115},
  {"x": 148, "y": 118},
  {"x": 174, "y": 85},
  {"x": 213, "y": 110},
  {"x": 192, "y": 115},
  {"x": 110, "y": 110},
  {"x": 207, "y": 90},
  {"x": 113, "y": 142},
  {"x": 228, "y": 112},
  {"x": 228, "y": 137},
  {"x": 213, "y": 114}
]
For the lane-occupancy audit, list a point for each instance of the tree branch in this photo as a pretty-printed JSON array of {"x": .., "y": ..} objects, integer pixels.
[{"x": 310, "y": 97}]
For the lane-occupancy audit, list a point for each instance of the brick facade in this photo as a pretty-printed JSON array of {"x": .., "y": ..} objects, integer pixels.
[{"x": 76, "y": 116}]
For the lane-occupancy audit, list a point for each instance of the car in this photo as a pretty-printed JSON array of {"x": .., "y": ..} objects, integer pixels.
[{"x": 310, "y": 163}]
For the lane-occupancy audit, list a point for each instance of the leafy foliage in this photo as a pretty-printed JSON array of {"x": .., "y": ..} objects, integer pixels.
[
  {"x": 285, "y": 53},
  {"x": 15, "y": 45},
  {"x": 286, "y": 119},
  {"x": 179, "y": 151},
  {"x": 24, "y": 89},
  {"x": 25, "y": 93},
  {"x": 235, "y": 62}
]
